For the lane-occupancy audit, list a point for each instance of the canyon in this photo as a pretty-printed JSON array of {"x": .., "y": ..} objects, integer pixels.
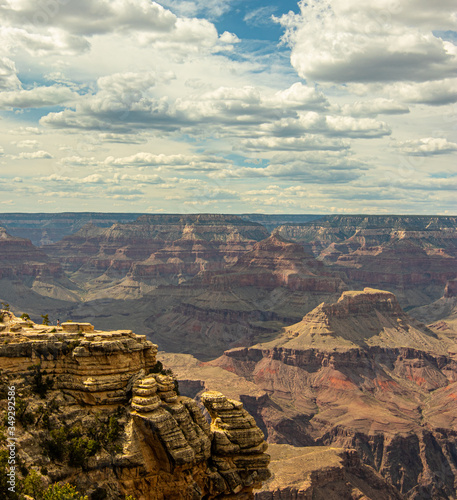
[
  {"x": 357, "y": 374},
  {"x": 299, "y": 318}
]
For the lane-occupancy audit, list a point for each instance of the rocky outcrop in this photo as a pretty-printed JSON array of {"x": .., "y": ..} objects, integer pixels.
[
  {"x": 97, "y": 412},
  {"x": 450, "y": 289},
  {"x": 412, "y": 256},
  {"x": 362, "y": 374},
  {"x": 442, "y": 313}
]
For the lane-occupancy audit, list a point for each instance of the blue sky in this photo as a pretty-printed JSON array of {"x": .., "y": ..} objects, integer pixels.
[{"x": 228, "y": 106}]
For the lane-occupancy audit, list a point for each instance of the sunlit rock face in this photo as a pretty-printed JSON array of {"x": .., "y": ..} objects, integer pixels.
[{"x": 102, "y": 414}]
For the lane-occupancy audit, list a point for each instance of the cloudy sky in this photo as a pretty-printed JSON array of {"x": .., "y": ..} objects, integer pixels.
[{"x": 331, "y": 106}]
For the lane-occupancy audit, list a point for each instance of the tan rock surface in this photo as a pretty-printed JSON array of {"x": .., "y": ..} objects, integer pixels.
[
  {"x": 322, "y": 472},
  {"x": 95, "y": 413}
]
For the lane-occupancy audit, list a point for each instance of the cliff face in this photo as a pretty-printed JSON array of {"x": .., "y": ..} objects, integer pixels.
[
  {"x": 410, "y": 255},
  {"x": 270, "y": 286},
  {"x": 27, "y": 271},
  {"x": 20, "y": 259},
  {"x": 152, "y": 251},
  {"x": 93, "y": 410},
  {"x": 359, "y": 373}
]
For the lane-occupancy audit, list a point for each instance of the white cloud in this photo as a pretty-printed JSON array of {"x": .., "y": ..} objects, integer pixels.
[
  {"x": 158, "y": 160},
  {"x": 434, "y": 93},
  {"x": 379, "y": 41},
  {"x": 36, "y": 155},
  {"x": 427, "y": 146},
  {"x": 37, "y": 97},
  {"x": 375, "y": 107},
  {"x": 307, "y": 143},
  {"x": 8, "y": 76},
  {"x": 89, "y": 17},
  {"x": 331, "y": 125},
  {"x": 210, "y": 8},
  {"x": 27, "y": 144}
]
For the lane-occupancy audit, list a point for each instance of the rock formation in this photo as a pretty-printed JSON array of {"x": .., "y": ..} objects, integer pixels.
[
  {"x": 26, "y": 272},
  {"x": 272, "y": 285},
  {"x": 442, "y": 313},
  {"x": 127, "y": 260},
  {"x": 412, "y": 256},
  {"x": 358, "y": 373},
  {"x": 93, "y": 409},
  {"x": 47, "y": 228}
]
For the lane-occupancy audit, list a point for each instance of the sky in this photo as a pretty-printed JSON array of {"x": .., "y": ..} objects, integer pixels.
[{"x": 228, "y": 106}]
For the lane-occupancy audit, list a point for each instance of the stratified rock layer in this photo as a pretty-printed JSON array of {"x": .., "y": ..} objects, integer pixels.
[
  {"x": 412, "y": 256},
  {"x": 272, "y": 285},
  {"x": 127, "y": 260},
  {"x": 360, "y": 373},
  {"x": 72, "y": 379}
]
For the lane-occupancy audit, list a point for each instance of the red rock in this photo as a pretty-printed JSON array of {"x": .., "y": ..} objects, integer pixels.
[{"x": 360, "y": 373}]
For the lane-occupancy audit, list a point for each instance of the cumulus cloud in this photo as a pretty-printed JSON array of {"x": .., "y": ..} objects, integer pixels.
[
  {"x": 27, "y": 144},
  {"x": 331, "y": 125},
  {"x": 36, "y": 155},
  {"x": 374, "y": 107},
  {"x": 314, "y": 167},
  {"x": 308, "y": 143},
  {"x": 127, "y": 101},
  {"x": 380, "y": 41},
  {"x": 179, "y": 161},
  {"x": 434, "y": 93},
  {"x": 8, "y": 75},
  {"x": 37, "y": 97},
  {"x": 210, "y": 8},
  {"x": 427, "y": 146},
  {"x": 89, "y": 17}
]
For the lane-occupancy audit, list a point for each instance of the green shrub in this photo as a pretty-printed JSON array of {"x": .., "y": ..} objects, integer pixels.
[
  {"x": 34, "y": 485},
  {"x": 63, "y": 492}
]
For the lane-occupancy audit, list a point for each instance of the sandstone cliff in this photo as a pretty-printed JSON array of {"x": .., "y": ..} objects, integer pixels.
[{"x": 93, "y": 409}]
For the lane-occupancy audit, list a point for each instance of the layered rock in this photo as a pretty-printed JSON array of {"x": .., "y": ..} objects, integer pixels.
[
  {"x": 153, "y": 250},
  {"x": 19, "y": 258},
  {"x": 360, "y": 373},
  {"x": 28, "y": 274},
  {"x": 412, "y": 256},
  {"x": 47, "y": 228},
  {"x": 270, "y": 286},
  {"x": 156, "y": 445}
]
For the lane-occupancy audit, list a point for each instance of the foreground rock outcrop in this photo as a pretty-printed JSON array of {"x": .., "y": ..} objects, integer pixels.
[{"x": 95, "y": 409}]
